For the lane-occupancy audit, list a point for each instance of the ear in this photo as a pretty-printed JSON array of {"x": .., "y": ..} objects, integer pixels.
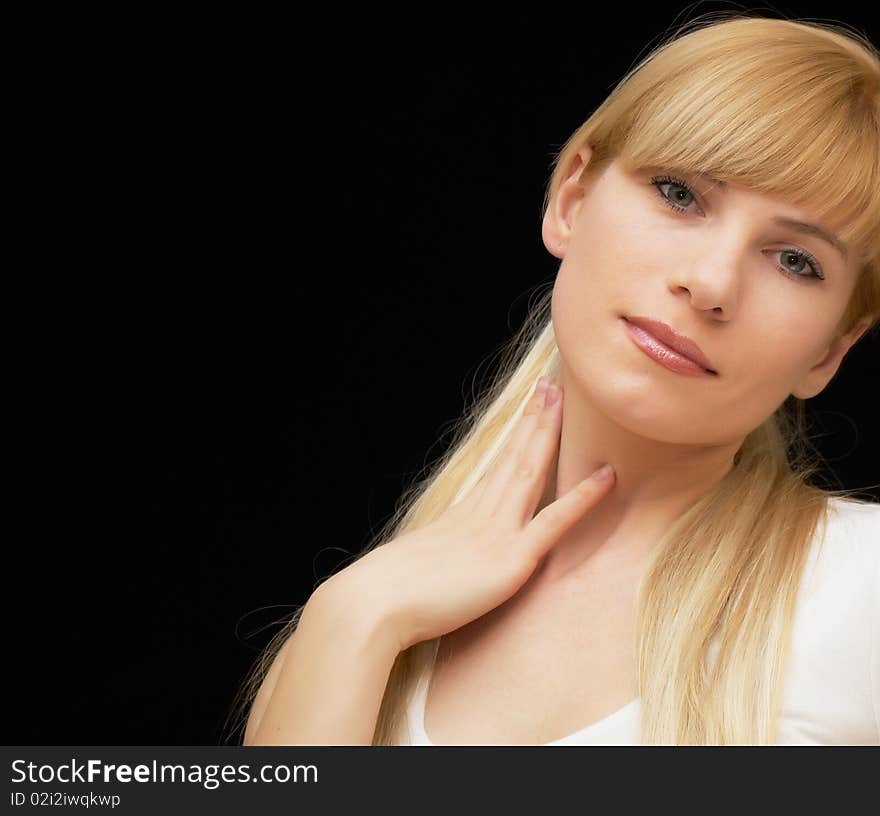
[
  {"x": 821, "y": 374},
  {"x": 563, "y": 209}
]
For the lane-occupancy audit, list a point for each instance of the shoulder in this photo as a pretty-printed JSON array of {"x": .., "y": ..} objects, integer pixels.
[
  {"x": 859, "y": 514},
  {"x": 849, "y": 538},
  {"x": 842, "y": 573},
  {"x": 833, "y": 687}
]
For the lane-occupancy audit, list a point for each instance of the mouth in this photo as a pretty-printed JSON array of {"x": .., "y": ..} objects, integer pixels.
[{"x": 673, "y": 350}]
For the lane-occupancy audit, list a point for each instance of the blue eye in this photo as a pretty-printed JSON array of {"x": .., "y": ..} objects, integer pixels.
[
  {"x": 657, "y": 181},
  {"x": 800, "y": 254}
]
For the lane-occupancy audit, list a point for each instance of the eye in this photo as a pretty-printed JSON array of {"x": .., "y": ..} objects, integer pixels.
[
  {"x": 659, "y": 181},
  {"x": 684, "y": 194}
]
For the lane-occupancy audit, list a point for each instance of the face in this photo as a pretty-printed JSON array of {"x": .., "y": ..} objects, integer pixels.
[{"x": 720, "y": 272}]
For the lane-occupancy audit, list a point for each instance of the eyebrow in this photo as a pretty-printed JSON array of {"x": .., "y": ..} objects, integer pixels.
[{"x": 801, "y": 226}]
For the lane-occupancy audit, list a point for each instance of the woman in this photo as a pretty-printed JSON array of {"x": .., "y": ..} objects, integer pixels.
[{"x": 719, "y": 237}]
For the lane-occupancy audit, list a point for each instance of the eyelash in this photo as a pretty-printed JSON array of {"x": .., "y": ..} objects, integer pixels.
[{"x": 811, "y": 261}]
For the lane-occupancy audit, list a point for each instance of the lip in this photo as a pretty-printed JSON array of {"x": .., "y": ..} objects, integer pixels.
[{"x": 668, "y": 347}]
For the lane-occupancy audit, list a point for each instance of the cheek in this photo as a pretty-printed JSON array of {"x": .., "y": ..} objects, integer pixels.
[
  {"x": 600, "y": 278},
  {"x": 580, "y": 306},
  {"x": 592, "y": 275},
  {"x": 780, "y": 349},
  {"x": 761, "y": 370}
]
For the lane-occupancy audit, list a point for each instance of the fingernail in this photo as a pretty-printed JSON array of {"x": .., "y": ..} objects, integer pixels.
[
  {"x": 603, "y": 473},
  {"x": 551, "y": 396},
  {"x": 542, "y": 384}
]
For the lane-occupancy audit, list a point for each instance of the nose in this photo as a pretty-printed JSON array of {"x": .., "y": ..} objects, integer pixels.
[{"x": 711, "y": 278}]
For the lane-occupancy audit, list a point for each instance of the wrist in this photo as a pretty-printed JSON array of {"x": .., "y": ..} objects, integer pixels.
[{"x": 347, "y": 613}]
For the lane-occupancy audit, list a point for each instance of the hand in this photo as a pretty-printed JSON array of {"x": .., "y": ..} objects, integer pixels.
[{"x": 479, "y": 552}]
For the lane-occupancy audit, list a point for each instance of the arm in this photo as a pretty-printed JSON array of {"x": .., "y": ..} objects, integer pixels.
[
  {"x": 327, "y": 683},
  {"x": 264, "y": 694}
]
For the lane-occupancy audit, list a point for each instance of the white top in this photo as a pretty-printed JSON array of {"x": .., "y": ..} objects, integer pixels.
[{"x": 832, "y": 688}]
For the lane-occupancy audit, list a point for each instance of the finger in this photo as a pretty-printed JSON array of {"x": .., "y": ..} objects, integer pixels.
[
  {"x": 499, "y": 473},
  {"x": 548, "y": 526},
  {"x": 529, "y": 477}
]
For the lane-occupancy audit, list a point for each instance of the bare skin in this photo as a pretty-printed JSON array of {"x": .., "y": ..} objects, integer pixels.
[
  {"x": 539, "y": 667},
  {"x": 530, "y": 581},
  {"x": 425, "y": 583},
  {"x": 559, "y": 655},
  {"x": 711, "y": 273},
  {"x": 582, "y": 625}
]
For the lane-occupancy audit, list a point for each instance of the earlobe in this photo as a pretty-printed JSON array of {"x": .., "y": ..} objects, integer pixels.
[{"x": 550, "y": 235}]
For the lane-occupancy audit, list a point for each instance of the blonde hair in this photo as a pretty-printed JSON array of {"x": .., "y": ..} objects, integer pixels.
[{"x": 788, "y": 108}]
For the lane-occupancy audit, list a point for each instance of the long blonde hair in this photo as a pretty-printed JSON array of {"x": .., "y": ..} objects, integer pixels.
[{"x": 788, "y": 108}]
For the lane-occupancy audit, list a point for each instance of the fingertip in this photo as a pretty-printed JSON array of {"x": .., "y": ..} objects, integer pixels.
[
  {"x": 602, "y": 477},
  {"x": 604, "y": 473}
]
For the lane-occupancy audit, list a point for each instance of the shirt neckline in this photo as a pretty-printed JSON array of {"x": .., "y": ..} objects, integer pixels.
[{"x": 422, "y": 701}]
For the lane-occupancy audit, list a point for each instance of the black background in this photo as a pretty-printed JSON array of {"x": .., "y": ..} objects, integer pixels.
[{"x": 259, "y": 261}]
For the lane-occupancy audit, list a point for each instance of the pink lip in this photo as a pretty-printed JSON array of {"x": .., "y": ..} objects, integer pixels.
[{"x": 668, "y": 347}]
